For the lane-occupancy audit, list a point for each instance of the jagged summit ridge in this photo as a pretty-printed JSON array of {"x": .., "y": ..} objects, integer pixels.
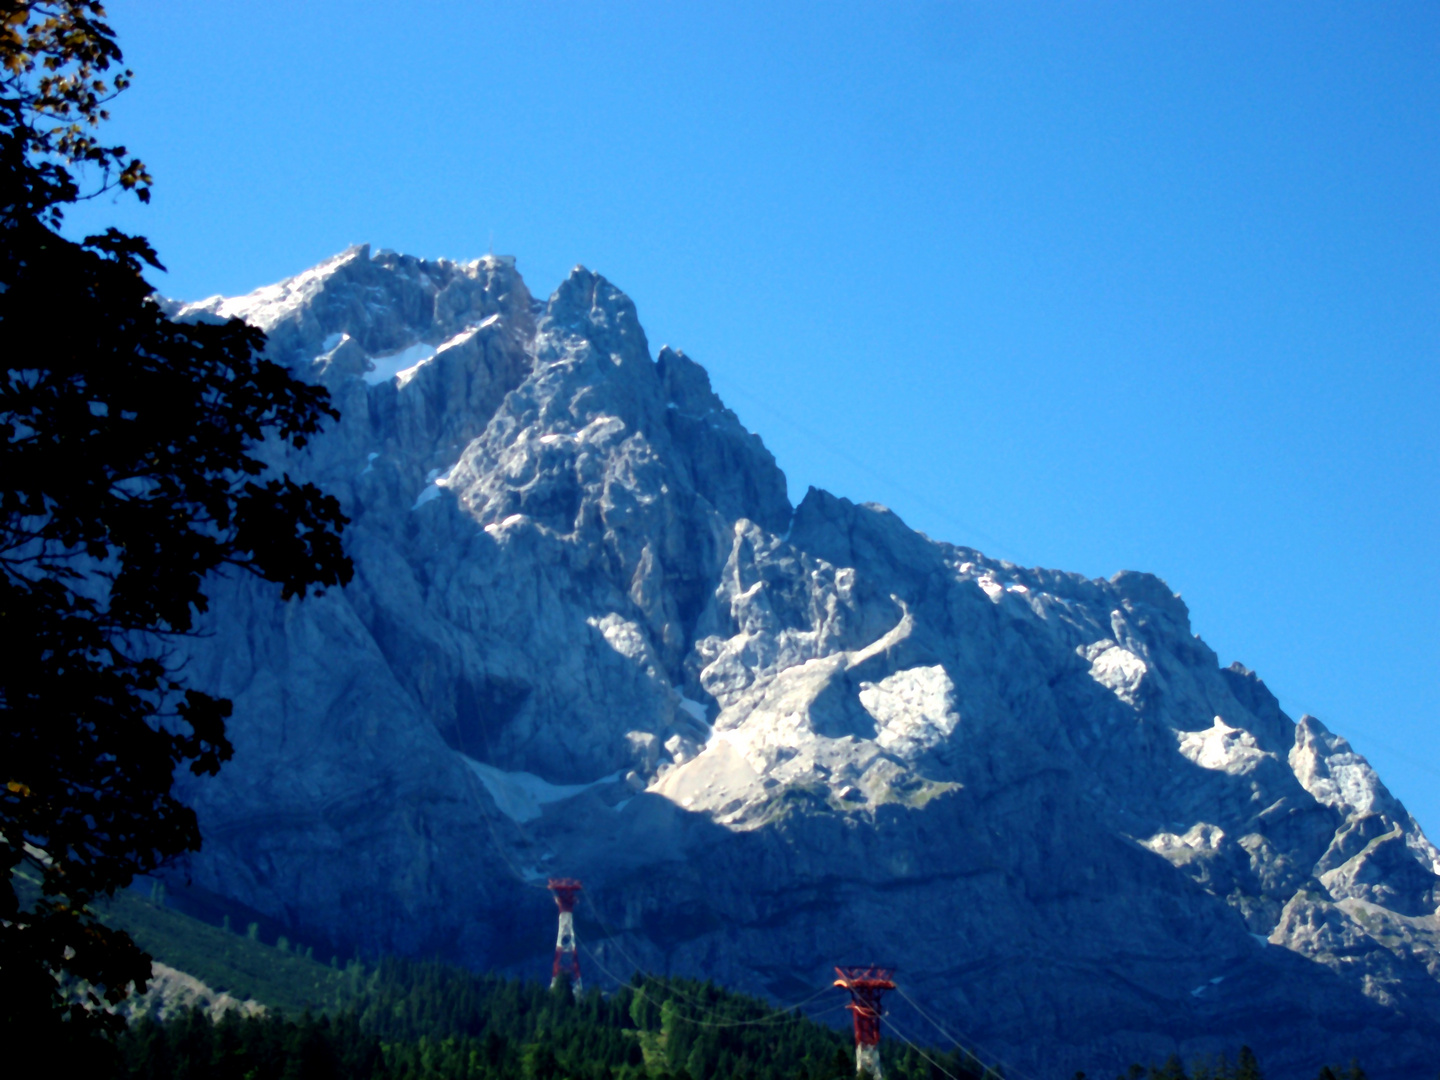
[{"x": 589, "y": 632}]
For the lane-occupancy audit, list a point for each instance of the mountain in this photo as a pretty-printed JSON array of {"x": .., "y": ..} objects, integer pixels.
[{"x": 588, "y": 634}]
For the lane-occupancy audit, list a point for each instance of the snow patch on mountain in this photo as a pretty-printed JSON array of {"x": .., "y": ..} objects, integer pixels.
[
  {"x": 269, "y": 304},
  {"x": 1222, "y": 747},
  {"x": 914, "y": 709},
  {"x": 523, "y": 796},
  {"x": 818, "y": 732}
]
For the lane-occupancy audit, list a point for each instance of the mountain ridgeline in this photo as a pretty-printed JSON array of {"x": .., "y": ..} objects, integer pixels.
[{"x": 588, "y": 634}]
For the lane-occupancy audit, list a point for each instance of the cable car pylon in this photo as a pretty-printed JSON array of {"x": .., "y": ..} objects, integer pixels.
[
  {"x": 866, "y": 986},
  {"x": 567, "y": 959}
]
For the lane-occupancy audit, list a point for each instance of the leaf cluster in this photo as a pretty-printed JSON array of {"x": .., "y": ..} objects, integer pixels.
[
  {"x": 54, "y": 59},
  {"x": 129, "y": 473}
]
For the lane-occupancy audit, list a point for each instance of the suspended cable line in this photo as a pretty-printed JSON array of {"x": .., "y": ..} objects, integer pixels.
[
  {"x": 613, "y": 938},
  {"x": 907, "y": 1041},
  {"x": 528, "y": 880},
  {"x": 779, "y": 1015},
  {"x": 958, "y": 1044}
]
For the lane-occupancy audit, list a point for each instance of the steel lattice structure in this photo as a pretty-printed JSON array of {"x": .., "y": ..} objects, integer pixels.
[
  {"x": 866, "y": 986},
  {"x": 567, "y": 960}
]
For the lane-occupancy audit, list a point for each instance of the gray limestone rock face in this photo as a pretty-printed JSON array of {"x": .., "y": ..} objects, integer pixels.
[{"x": 588, "y": 635}]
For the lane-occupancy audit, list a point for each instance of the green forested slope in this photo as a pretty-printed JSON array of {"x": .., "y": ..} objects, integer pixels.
[
  {"x": 410, "y": 1020},
  {"x": 235, "y": 963},
  {"x": 421, "y": 1020}
]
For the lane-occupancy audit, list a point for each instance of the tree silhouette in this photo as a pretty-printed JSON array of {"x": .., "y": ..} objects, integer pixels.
[{"x": 127, "y": 475}]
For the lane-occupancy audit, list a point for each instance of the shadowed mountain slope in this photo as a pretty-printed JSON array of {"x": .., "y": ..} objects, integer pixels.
[{"x": 588, "y": 634}]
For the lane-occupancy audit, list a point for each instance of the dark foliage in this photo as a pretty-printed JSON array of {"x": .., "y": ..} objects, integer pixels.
[
  {"x": 432, "y": 1020},
  {"x": 266, "y": 1047},
  {"x": 1244, "y": 1067},
  {"x": 404, "y": 1020},
  {"x": 127, "y": 475},
  {"x": 438, "y": 1020}
]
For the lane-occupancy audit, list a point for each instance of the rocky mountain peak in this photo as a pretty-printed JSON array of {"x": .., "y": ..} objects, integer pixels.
[{"x": 588, "y": 633}]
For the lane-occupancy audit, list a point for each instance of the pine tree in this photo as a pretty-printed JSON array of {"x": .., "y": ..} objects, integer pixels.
[{"x": 1171, "y": 1070}]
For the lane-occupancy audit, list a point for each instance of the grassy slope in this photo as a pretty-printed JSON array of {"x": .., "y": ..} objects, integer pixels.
[
  {"x": 238, "y": 964},
  {"x": 231, "y": 962}
]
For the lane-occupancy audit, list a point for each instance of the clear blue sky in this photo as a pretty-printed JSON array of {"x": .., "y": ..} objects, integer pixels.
[{"x": 1092, "y": 286}]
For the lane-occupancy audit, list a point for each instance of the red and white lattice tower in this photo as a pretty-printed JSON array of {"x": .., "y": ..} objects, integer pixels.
[
  {"x": 866, "y": 985},
  {"x": 567, "y": 962}
]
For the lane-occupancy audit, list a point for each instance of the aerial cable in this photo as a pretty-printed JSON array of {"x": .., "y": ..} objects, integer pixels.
[
  {"x": 958, "y": 1044},
  {"x": 500, "y": 846},
  {"x": 885, "y": 480},
  {"x": 890, "y": 1023},
  {"x": 613, "y": 938},
  {"x": 780, "y": 1013},
  {"x": 989, "y": 1069},
  {"x": 779, "y": 1016},
  {"x": 941, "y": 1028}
]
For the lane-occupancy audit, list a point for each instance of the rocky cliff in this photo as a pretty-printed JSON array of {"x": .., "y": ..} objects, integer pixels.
[{"x": 589, "y": 634}]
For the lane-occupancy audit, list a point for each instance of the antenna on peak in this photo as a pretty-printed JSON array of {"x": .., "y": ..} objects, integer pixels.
[{"x": 492, "y": 242}]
